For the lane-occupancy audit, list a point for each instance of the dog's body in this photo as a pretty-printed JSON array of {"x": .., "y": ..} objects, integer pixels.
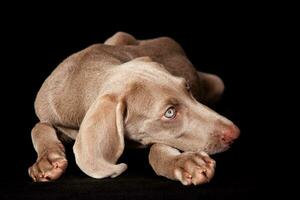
[{"x": 130, "y": 89}]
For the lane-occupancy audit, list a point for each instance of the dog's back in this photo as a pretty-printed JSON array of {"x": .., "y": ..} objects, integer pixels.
[{"x": 72, "y": 87}]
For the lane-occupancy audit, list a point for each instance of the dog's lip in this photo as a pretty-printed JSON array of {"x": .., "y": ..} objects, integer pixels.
[
  {"x": 226, "y": 146},
  {"x": 221, "y": 147},
  {"x": 219, "y": 150},
  {"x": 229, "y": 143}
]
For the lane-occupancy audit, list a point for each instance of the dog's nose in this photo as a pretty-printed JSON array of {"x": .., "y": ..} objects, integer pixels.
[{"x": 230, "y": 133}]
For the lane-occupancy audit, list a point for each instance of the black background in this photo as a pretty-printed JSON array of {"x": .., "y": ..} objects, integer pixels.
[{"x": 239, "y": 45}]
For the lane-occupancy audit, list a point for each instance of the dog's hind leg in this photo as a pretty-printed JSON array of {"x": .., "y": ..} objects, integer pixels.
[
  {"x": 121, "y": 38},
  {"x": 51, "y": 161}
]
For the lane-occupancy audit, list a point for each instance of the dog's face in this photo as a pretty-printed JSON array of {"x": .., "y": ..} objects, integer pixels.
[{"x": 166, "y": 112}]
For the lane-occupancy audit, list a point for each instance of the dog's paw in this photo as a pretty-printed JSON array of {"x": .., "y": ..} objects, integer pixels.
[
  {"x": 49, "y": 166},
  {"x": 194, "y": 168}
]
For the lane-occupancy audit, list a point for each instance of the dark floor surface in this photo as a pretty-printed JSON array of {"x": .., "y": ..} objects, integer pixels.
[
  {"x": 232, "y": 181},
  {"x": 238, "y": 48}
]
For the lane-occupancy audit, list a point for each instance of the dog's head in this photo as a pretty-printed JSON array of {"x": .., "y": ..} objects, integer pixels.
[
  {"x": 162, "y": 109},
  {"x": 144, "y": 102}
]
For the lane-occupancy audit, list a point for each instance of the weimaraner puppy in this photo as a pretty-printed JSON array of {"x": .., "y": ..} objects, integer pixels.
[{"x": 146, "y": 91}]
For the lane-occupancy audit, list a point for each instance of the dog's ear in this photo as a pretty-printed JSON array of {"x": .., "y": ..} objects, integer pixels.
[
  {"x": 100, "y": 141},
  {"x": 212, "y": 87}
]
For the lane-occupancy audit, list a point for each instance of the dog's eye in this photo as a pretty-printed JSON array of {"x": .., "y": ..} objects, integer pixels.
[{"x": 170, "y": 113}]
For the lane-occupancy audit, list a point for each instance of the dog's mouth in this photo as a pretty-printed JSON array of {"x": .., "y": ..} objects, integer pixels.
[
  {"x": 218, "y": 150},
  {"x": 217, "y": 147},
  {"x": 222, "y": 142},
  {"x": 224, "y": 146}
]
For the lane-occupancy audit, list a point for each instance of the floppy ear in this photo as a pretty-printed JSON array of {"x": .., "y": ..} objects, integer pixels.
[
  {"x": 100, "y": 141},
  {"x": 212, "y": 87}
]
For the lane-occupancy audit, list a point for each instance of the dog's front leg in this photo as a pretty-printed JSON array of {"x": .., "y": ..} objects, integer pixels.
[
  {"x": 51, "y": 161},
  {"x": 187, "y": 167}
]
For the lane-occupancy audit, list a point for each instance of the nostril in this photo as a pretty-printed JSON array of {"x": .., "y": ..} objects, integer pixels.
[
  {"x": 227, "y": 139},
  {"x": 231, "y": 133},
  {"x": 223, "y": 138}
]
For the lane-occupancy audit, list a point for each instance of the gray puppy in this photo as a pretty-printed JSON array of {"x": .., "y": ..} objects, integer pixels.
[{"x": 142, "y": 90}]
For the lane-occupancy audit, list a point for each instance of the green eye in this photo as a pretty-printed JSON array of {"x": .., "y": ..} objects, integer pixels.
[{"x": 170, "y": 113}]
